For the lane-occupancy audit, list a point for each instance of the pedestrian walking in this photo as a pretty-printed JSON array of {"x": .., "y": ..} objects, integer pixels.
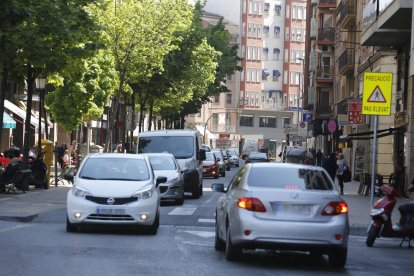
[
  {"x": 342, "y": 165},
  {"x": 319, "y": 157},
  {"x": 330, "y": 165}
]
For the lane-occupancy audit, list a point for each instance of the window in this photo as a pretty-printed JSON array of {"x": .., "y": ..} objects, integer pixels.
[
  {"x": 229, "y": 78},
  {"x": 217, "y": 99},
  {"x": 248, "y": 75},
  {"x": 254, "y": 34},
  {"x": 299, "y": 35},
  {"x": 293, "y": 56},
  {"x": 246, "y": 120},
  {"x": 276, "y": 53},
  {"x": 276, "y": 32},
  {"x": 276, "y": 75},
  {"x": 285, "y": 77},
  {"x": 267, "y": 121},
  {"x": 286, "y": 55},
  {"x": 287, "y": 11},
  {"x": 278, "y": 8},
  {"x": 266, "y": 53},
  {"x": 228, "y": 98},
  {"x": 300, "y": 13},
  {"x": 294, "y": 12},
  {"x": 249, "y": 32},
  {"x": 293, "y": 34},
  {"x": 286, "y": 122},
  {"x": 266, "y": 8},
  {"x": 266, "y": 31},
  {"x": 294, "y": 78},
  {"x": 251, "y": 7}
]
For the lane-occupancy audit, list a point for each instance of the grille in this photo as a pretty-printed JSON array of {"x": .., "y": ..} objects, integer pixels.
[
  {"x": 163, "y": 189},
  {"x": 118, "y": 200},
  {"x": 110, "y": 217}
]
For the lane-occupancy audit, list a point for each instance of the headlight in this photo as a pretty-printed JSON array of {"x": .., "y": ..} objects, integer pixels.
[
  {"x": 144, "y": 193},
  {"x": 376, "y": 212},
  {"x": 80, "y": 192},
  {"x": 173, "y": 181}
]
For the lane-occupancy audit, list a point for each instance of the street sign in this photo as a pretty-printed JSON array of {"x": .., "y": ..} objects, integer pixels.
[
  {"x": 355, "y": 116},
  {"x": 376, "y": 98},
  {"x": 307, "y": 117},
  {"x": 303, "y": 129}
]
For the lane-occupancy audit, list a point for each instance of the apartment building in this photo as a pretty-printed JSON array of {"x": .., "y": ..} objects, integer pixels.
[
  {"x": 346, "y": 39},
  {"x": 266, "y": 96}
]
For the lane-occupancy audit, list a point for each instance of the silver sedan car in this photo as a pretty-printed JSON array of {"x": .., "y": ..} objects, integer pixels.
[
  {"x": 164, "y": 164},
  {"x": 282, "y": 206}
]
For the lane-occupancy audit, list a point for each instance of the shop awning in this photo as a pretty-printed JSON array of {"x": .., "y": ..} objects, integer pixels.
[
  {"x": 276, "y": 73},
  {"x": 21, "y": 113},
  {"x": 207, "y": 132},
  {"x": 8, "y": 121}
]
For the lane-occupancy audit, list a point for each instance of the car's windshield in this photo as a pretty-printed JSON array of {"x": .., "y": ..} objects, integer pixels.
[
  {"x": 115, "y": 169},
  {"x": 231, "y": 152},
  {"x": 182, "y": 147},
  {"x": 161, "y": 163},
  {"x": 209, "y": 156},
  {"x": 289, "y": 178},
  {"x": 218, "y": 154}
]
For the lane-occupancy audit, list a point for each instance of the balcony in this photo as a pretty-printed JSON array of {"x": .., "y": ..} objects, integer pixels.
[
  {"x": 326, "y": 36},
  {"x": 387, "y": 23},
  {"x": 346, "y": 61},
  {"x": 277, "y": 107},
  {"x": 327, "y": 4},
  {"x": 345, "y": 14},
  {"x": 325, "y": 74}
]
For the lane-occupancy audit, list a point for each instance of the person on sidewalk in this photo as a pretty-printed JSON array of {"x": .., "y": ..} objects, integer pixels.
[
  {"x": 330, "y": 165},
  {"x": 319, "y": 157},
  {"x": 341, "y": 162}
]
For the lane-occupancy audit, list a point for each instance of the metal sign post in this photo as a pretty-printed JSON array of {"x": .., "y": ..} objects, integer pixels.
[{"x": 376, "y": 100}]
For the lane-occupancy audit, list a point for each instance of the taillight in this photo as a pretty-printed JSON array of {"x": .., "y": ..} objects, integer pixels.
[
  {"x": 335, "y": 208},
  {"x": 251, "y": 204}
]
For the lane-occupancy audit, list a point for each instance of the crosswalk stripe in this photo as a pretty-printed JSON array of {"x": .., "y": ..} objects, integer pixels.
[
  {"x": 206, "y": 220},
  {"x": 182, "y": 211}
]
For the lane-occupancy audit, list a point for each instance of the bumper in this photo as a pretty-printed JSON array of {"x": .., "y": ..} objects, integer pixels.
[
  {"x": 210, "y": 172},
  {"x": 127, "y": 214},
  {"x": 171, "y": 191},
  {"x": 291, "y": 235}
]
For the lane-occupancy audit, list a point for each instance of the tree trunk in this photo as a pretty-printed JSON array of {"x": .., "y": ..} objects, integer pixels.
[
  {"x": 151, "y": 109},
  {"x": 114, "y": 111},
  {"x": 30, "y": 78},
  {"x": 3, "y": 97}
]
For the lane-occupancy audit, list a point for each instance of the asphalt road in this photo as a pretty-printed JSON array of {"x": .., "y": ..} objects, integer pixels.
[{"x": 184, "y": 245}]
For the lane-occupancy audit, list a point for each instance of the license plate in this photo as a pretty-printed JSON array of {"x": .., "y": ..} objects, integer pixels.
[
  {"x": 110, "y": 211},
  {"x": 292, "y": 208},
  {"x": 204, "y": 170}
]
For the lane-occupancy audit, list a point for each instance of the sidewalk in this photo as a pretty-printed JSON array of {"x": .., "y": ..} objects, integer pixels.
[{"x": 26, "y": 207}]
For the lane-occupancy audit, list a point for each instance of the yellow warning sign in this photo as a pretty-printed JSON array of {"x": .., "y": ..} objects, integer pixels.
[{"x": 376, "y": 99}]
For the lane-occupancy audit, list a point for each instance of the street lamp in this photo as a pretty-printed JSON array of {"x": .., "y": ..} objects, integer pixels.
[
  {"x": 40, "y": 85},
  {"x": 205, "y": 127}
]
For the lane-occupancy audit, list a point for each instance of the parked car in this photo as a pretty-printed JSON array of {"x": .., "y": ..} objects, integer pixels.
[
  {"x": 233, "y": 157},
  {"x": 255, "y": 157},
  {"x": 164, "y": 164},
  {"x": 221, "y": 162},
  {"x": 116, "y": 189},
  {"x": 283, "y": 207},
  {"x": 210, "y": 165},
  {"x": 206, "y": 148}
]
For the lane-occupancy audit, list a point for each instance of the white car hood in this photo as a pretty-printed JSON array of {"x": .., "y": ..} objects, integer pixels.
[{"x": 112, "y": 188}]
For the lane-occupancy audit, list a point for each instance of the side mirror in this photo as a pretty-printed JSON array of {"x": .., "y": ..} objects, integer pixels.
[
  {"x": 160, "y": 179},
  {"x": 201, "y": 154},
  {"x": 218, "y": 187},
  {"x": 218, "y": 159}
]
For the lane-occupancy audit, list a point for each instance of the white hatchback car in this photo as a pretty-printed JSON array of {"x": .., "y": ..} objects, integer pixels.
[
  {"x": 113, "y": 188},
  {"x": 282, "y": 206}
]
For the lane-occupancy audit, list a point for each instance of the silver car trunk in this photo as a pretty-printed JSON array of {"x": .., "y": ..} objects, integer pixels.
[{"x": 292, "y": 204}]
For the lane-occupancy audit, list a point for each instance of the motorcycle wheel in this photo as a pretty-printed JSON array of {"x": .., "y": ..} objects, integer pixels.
[{"x": 372, "y": 235}]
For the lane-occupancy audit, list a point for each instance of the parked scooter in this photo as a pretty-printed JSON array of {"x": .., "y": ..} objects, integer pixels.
[{"x": 381, "y": 225}]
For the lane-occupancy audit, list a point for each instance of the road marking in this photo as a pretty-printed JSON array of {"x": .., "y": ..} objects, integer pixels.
[
  {"x": 197, "y": 243},
  {"x": 6, "y": 198},
  {"x": 202, "y": 234},
  {"x": 207, "y": 189},
  {"x": 206, "y": 220},
  {"x": 182, "y": 211},
  {"x": 15, "y": 228}
]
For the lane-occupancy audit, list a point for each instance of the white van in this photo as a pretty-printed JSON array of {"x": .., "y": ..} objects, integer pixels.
[{"x": 185, "y": 145}]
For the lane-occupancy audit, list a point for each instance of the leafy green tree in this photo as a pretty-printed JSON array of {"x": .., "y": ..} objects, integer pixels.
[
  {"x": 82, "y": 90},
  {"x": 53, "y": 32},
  {"x": 139, "y": 35}
]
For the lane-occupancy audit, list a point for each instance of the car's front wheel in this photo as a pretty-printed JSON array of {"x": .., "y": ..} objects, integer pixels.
[
  {"x": 154, "y": 227},
  {"x": 337, "y": 257},
  {"x": 233, "y": 252},
  {"x": 70, "y": 227}
]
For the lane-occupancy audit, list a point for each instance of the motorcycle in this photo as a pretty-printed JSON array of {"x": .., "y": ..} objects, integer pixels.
[{"x": 381, "y": 225}]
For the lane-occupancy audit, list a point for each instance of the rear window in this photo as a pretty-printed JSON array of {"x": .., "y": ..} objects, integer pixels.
[
  {"x": 182, "y": 147},
  {"x": 218, "y": 154},
  {"x": 209, "y": 156},
  {"x": 258, "y": 155},
  {"x": 289, "y": 178},
  {"x": 162, "y": 163}
]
